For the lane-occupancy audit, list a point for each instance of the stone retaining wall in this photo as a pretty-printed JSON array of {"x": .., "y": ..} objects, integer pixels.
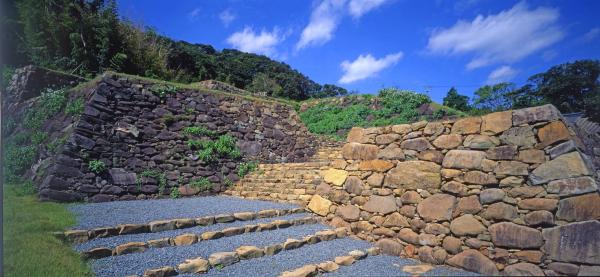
[
  {"x": 506, "y": 191},
  {"x": 132, "y": 129}
]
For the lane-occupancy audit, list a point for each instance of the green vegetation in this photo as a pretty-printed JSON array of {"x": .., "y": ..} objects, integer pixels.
[
  {"x": 210, "y": 150},
  {"x": 160, "y": 177},
  {"x": 175, "y": 193},
  {"x": 17, "y": 159},
  {"x": 75, "y": 107},
  {"x": 391, "y": 106},
  {"x": 456, "y": 101},
  {"x": 201, "y": 184},
  {"x": 29, "y": 247},
  {"x": 87, "y": 37},
  {"x": 198, "y": 131},
  {"x": 50, "y": 103},
  {"x": 97, "y": 166},
  {"x": 163, "y": 90},
  {"x": 246, "y": 168},
  {"x": 38, "y": 137}
]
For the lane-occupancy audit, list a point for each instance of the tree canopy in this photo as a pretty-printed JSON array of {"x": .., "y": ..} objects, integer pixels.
[{"x": 456, "y": 101}]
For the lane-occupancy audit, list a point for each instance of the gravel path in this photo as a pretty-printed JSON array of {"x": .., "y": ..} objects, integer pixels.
[
  {"x": 288, "y": 260},
  {"x": 95, "y": 215},
  {"x": 114, "y": 241},
  {"x": 384, "y": 265},
  {"x": 157, "y": 257}
]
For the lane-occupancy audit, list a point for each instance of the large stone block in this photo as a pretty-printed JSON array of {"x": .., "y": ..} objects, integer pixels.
[
  {"x": 448, "y": 141},
  {"x": 574, "y": 243},
  {"x": 360, "y": 135},
  {"x": 336, "y": 177},
  {"x": 438, "y": 207},
  {"x": 358, "y": 151},
  {"x": 348, "y": 212},
  {"x": 473, "y": 260},
  {"x": 572, "y": 186},
  {"x": 417, "y": 144},
  {"x": 565, "y": 166},
  {"x": 319, "y": 205},
  {"x": 519, "y": 136},
  {"x": 579, "y": 208},
  {"x": 506, "y": 234},
  {"x": 480, "y": 142},
  {"x": 552, "y": 133},
  {"x": 471, "y": 125},
  {"x": 375, "y": 165},
  {"x": 463, "y": 159},
  {"x": 466, "y": 225},
  {"x": 414, "y": 175},
  {"x": 535, "y": 114},
  {"x": 495, "y": 123},
  {"x": 381, "y": 204}
]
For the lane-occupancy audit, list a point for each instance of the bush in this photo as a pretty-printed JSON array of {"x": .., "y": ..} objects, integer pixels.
[
  {"x": 162, "y": 90},
  {"x": 97, "y": 166},
  {"x": 160, "y": 177},
  {"x": 38, "y": 137},
  {"x": 175, "y": 193},
  {"x": 198, "y": 131},
  {"x": 201, "y": 183},
  {"x": 245, "y": 168},
  {"x": 75, "y": 107},
  {"x": 17, "y": 159},
  {"x": 210, "y": 151},
  {"x": 50, "y": 103}
]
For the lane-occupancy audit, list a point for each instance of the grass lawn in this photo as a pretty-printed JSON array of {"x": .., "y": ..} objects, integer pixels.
[{"x": 29, "y": 248}]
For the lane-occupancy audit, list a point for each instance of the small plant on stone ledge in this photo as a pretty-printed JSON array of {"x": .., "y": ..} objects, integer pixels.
[
  {"x": 160, "y": 177},
  {"x": 198, "y": 131},
  {"x": 169, "y": 119},
  {"x": 75, "y": 107},
  {"x": 227, "y": 182},
  {"x": 201, "y": 184},
  {"x": 210, "y": 151},
  {"x": 96, "y": 166},
  {"x": 246, "y": 168},
  {"x": 175, "y": 193},
  {"x": 38, "y": 137},
  {"x": 162, "y": 90}
]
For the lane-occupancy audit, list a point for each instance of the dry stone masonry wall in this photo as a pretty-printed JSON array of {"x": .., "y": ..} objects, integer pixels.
[
  {"x": 508, "y": 191},
  {"x": 132, "y": 129}
]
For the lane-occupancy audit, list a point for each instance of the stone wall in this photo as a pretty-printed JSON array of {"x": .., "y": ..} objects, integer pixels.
[
  {"x": 30, "y": 81},
  {"x": 508, "y": 191},
  {"x": 131, "y": 130}
]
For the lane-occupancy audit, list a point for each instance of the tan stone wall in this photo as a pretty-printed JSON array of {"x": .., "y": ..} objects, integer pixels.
[{"x": 506, "y": 191}]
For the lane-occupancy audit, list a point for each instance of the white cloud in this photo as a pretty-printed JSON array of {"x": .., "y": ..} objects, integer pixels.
[
  {"x": 226, "y": 17},
  {"x": 501, "y": 74},
  {"x": 366, "y": 66},
  {"x": 194, "y": 14},
  {"x": 324, "y": 19},
  {"x": 591, "y": 35},
  {"x": 508, "y": 36},
  {"x": 358, "y": 8},
  {"x": 260, "y": 43}
]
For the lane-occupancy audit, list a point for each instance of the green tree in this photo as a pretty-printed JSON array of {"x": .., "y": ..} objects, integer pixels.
[
  {"x": 456, "y": 101},
  {"x": 262, "y": 84},
  {"x": 494, "y": 97},
  {"x": 568, "y": 85}
]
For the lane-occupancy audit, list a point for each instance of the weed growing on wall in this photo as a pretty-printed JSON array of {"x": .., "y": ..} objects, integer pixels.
[
  {"x": 163, "y": 90},
  {"x": 75, "y": 107},
  {"x": 160, "y": 177},
  {"x": 201, "y": 184},
  {"x": 246, "y": 168},
  {"x": 210, "y": 150},
  {"x": 51, "y": 102},
  {"x": 198, "y": 131},
  {"x": 96, "y": 166}
]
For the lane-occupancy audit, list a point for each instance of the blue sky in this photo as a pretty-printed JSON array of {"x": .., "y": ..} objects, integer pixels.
[{"x": 364, "y": 45}]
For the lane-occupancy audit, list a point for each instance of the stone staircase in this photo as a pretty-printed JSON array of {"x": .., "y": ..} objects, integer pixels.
[{"x": 288, "y": 182}]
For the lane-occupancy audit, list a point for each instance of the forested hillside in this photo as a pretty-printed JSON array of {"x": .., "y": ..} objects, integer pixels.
[{"x": 88, "y": 37}]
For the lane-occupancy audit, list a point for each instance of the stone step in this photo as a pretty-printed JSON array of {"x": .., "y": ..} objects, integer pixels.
[
  {"x": 332, "y": 265},
  {"x": 220, "y": 260},
  {"x": 190, "y": 238},
  {"x": 82, "y": 235}
]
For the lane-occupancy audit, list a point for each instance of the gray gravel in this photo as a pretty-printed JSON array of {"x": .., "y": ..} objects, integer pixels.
[
  {"x": 384, "y": 265},
  {"x": 288, "y": 260},
  {"x": 95, "y": 215},
  {"x": 116, "y": 240},
  {"x": 171, "y": 256}
]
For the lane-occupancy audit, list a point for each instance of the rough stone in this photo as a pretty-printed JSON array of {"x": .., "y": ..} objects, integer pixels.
[
  {"x": 165, "y": 271},
  {"x": 319, "y": 205},
  {"x": 411, "y": 197},
  {"x": 413, "y": 175},
  {"x": 579, "y": 208},
  {"x": 417, "y": 144},
  {"x": 506, "y": 234},
  {"x": 249, "y": 252},
  {"x": 359, "y": 135},
  {"x": 197, "y": 266},
  {"x": 375, "y": 180},
  {"x": 357, "y": 151},
  {"x": 468, "y": 205},
  {"x": 473, "y": 260},
  {"x": 572, "y": 186},
  {"x": 532, "y": 256},
  {"x": 511, "y": 168},
  {"x": 539, "y": 218},
  {"x": 504, "y": 152},
  {"x": 586, "y": 270},
  {"x": 466, "y": 225},
  {"x": 381, "y": 204},
  {"x": 536, "y": 204},
  {"x": 480, "y": 142},
  {"x": 223, "y": 258},
  {"x": 563, "y": 148},
  {"x": 344, "y": 260},
  {"x": 185, "y": 239},
  {"x": 395, "y": 220},
  {"x": 523, "y": 269},
  {"x": 328, "y": 266},
  {"x": 471, "y": 125},
  {"x": 354, "y": 185},
  {"x": 432, "y": 156},
  {"x": 455, "y": 188},
  {"x": 532, "y": 156},
  {"x": 452, "y": 245},
  {"x": 491, "y": 195},
  {"x": 162, "y": 225},
  {"x": 564, "y": 268},
  {"x": 434, "y": 128},
  {"x": 500, "y": 211},
  {"x": 333, "y": 176},
  {"x": 386, "y": 138},
  {"x": 448, "y": 141},
  {"x": 130, "y": 247},
  {"x": 480, "y": 178},
  {"x": 535, "y": 114},
  {"x": 391, "y": 152},
  {"x": 463, "y": 159},
  {"x": 566, "y": 166},
  {"x": 553, "y": 132},
  {"x": 495, "y": 123},
  {"x": 390, "y": 247},
  {"x": 348, "y": 212},
  {"x": 375, "y": 165},
  {"x": 526, "y": 192},
  {"x": 519, "y": 136},
  {"x": 97, "y": 253},
  {"x": 438, "y": 207},
  {"x": 409, "y": 236}
]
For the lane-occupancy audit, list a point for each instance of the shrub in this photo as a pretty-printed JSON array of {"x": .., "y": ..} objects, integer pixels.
[
  {"x": 160, "y": 177},
  {"x": 210, "y": 150},
  {"x": 55, "y": 144},
  {"x": 245, "y": 168},
  {"x": 50, "y": 103},
  {"x": 198, "y": 131},
  {"x": 162, "y": 90},
  {"x": 97, "y": 166},
  {"x": 201, "y": 183},
  {"x": 17, "y": 159},
  {"x": 175, "y": 193},
  {"x": 75, "y": 107},
  {"x": 38, "y": 137}
]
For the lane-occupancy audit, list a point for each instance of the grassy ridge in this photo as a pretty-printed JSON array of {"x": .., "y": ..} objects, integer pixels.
[{"x": 29, "y": 248}]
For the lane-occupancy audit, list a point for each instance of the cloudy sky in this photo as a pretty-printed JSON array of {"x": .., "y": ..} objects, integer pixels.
[{"x": 364, "y": 45}]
